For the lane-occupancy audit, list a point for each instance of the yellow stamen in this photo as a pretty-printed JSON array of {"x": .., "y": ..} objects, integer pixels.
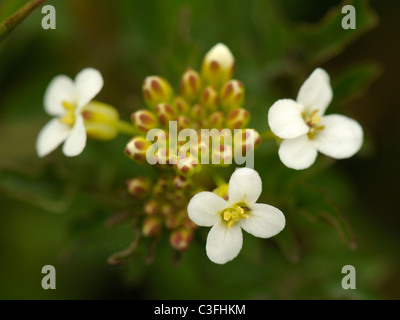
[
  {"x": 69, "y": 117},
  {"x": 234, "y": 213},
  {"x": 312, "y": 121}
]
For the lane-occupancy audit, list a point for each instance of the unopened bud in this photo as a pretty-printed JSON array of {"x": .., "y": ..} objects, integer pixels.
[
  {"x": 187, "y": 165},
  {"x": 222, "y": 155},
  {"x": 138, "y": 187},
  {"x": 182, "y": 122},
  {"x": 237, "y": 118},
  {"x": 101, "y": 120},
  {"x": 218, "y": 64},
  {"x": 209, "y": 98},
  {"x": 151, "y": 227},
  {"x": 232, "y": 95},
  {"x": 167, "y": 209},
  {"x": 246, "y": 140},
  {"x": 222, "y": 191},
  {"x": 181, "y": 239},
  {"x": 180, "y": 105},
  {"x": 173, "y": 221},
  {"x": 180, "y": 182},
  {"x": 150, "y": 207},
  {"x": 165, "y": 113},
  {"x": 190, "y": 85},
  {"x": 217, "y": 119},
  {"x": 198, "y": 112},
  {"x": 144, "y": 120},
  {"x": 156, "y": 90},
  {"x": 136, "y": 148}
]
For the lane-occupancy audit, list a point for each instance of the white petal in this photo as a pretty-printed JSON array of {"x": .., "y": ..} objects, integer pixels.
[
  {"x": 204, "y": 208},
  {"x": 76, "y": 142},
  {"x": 341, "y": 138},
  {"x": 316, "y": 92},
  {"x": 264, "y": 221},
  {"x": 285, "y": 119},
  {"x": 51, "y": 136},
  {"x": 224, "y": 244},
  {"x": 88, "y": 84},
  {"x": 245, "y": 185},
  {"x": 60, "y": 89},
  {"x": 298, "y": 153}
]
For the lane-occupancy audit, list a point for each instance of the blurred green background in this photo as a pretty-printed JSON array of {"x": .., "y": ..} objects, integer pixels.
[{"x": 55, "y": 210}]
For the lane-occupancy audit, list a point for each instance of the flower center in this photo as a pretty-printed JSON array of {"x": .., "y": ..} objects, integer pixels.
[
  {"x": 69, "y": 117},
  {"x": 313, "y": 120},
  {"x": 234, "y": 213}
]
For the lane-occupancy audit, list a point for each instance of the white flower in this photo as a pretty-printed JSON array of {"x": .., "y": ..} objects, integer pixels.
[
  {"x": 65, "y": 99},
  {"x": 306, "y": 130},
  {"x": 228, "y": 218}
]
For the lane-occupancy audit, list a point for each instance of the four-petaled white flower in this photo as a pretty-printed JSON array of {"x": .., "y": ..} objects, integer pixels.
[
  {"x": 65, "y": 99},
  {"x": 306, "y": 130},
  {"x": 228, "y": 218}
]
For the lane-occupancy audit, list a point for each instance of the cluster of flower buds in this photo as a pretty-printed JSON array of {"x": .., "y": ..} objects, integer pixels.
[
  {"x": 207, "y": 100},
  {"x": 164, "y": 204}
]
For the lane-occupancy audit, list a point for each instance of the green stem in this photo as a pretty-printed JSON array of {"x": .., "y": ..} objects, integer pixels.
[
  {"x": 17, "y": 17},
  {"x": 268, "y": 135},
  {"x": 127, "y": 128}
]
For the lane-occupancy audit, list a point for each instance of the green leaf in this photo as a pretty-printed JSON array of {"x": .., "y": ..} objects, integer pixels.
[
  {"x": 288, "y": 244},
  {"x": 316, "y": 204},
  {"x": 326, "y": 39},
  {"x": 354, "y": 80}
]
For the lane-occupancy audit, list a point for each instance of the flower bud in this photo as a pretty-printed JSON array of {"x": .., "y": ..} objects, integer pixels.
[
  {"x": 187, "y": 165},
  {"x": 180, "y": 182},
  {"x": 217, "y": 119},
  {"x": 190, "y": 85},
  {"x": 182, "y": 122},
  {"x": 156, "y": 90},
  {"x": 238, "y": 118},
  {"x": 144, "y": 120},
  {"x": 167, "y": 209},
  {"x": 150, "y": 207},
  {"x": 232, "y": 95},
  {"x": 180, "y": 105},
  {"x": 138, "y": 187},
  {"x": 222, "y": 191},
  {"x": 198, "y": 112},
  {"x": 181, "y": 239},
  {"x": 165, "y": 113},
  {"x": 218, "y": 64},
  {"x": 222, "y": 155},
  {"x": 209, "y": 98},
  {"x": 136, "y": 148},
  {"x": 189, "y": 224},
  {"x": 101, "y": 120},
  {"x": 173, "y": 221},
  {"x": 246, "y": 140},
  {"x": 151, "y": 227}
]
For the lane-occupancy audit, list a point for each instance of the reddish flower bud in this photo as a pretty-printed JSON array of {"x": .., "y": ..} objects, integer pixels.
[
  {"x": 138, "y": 187},
  {"x": 165, "y": 113},
  {"x": 238, "y": 118},
  {"x": 152, "y": 227},
  {"x": 181, "y": 239},
  {"x": 190, "y": 85},
  {"x": 232, "y": 95},
  {"x": 136, "y": 148},
  {"x": 144, "y": 120},
  {"x": 209, "y": 98},
  {"x": 156, "y": 90}
]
